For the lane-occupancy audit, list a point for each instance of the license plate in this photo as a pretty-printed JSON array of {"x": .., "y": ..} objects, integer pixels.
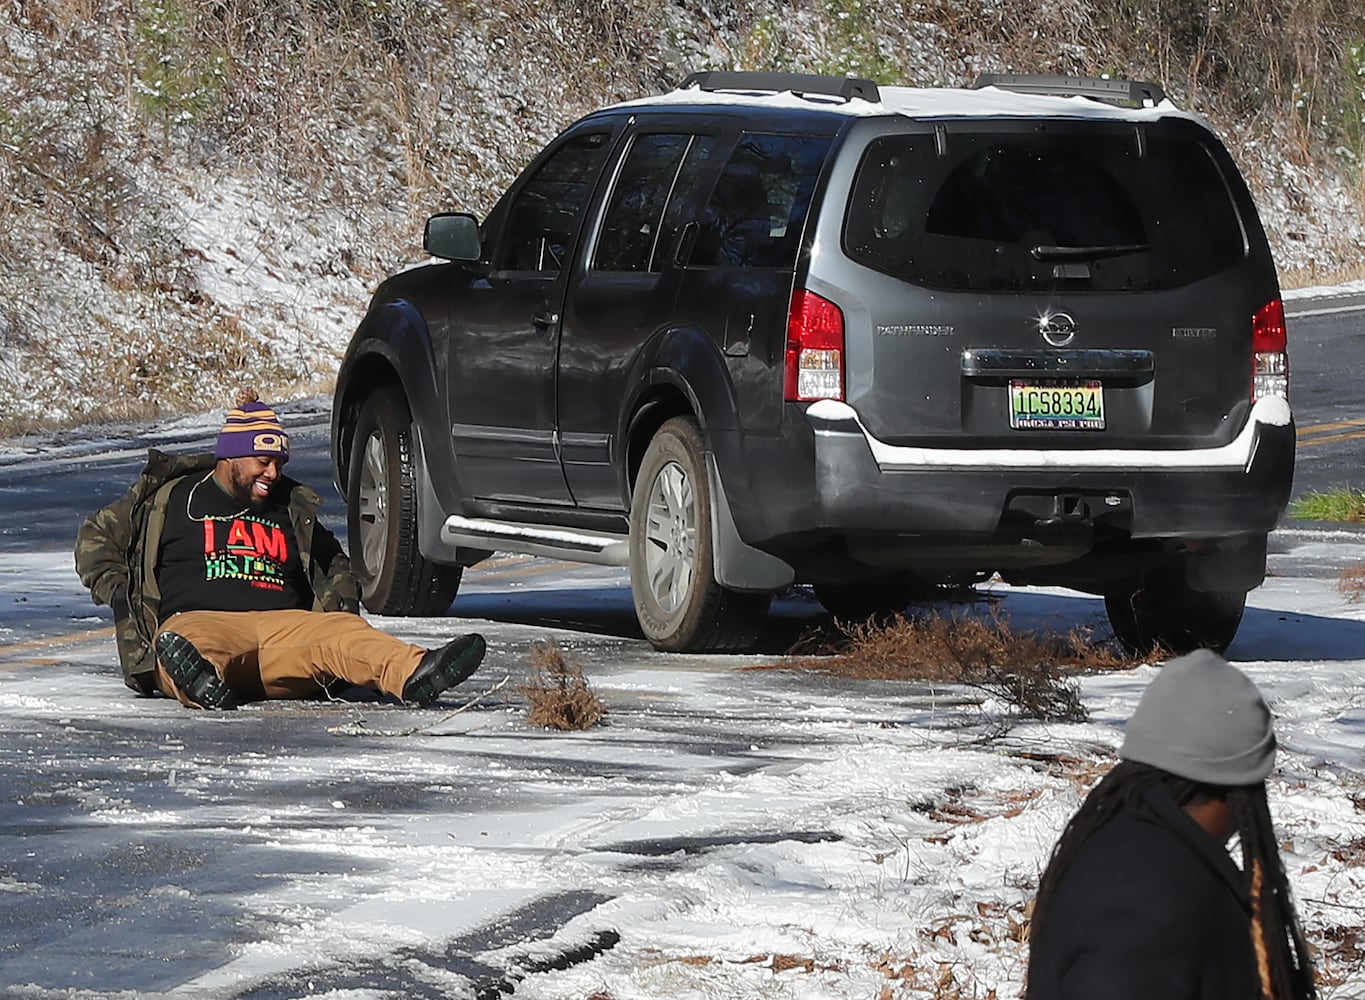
[{"x": 1057, "y": 405}]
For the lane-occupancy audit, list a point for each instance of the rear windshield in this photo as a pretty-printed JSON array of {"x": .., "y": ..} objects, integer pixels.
[{"x": 1031, "y": 208}]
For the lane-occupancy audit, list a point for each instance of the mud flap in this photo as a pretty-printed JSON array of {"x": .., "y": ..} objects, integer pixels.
[
  {"x": 1235, "y": 564},
  {"x": 736, "y": 564}
]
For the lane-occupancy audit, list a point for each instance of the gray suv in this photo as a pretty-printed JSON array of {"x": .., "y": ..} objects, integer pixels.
[{"x": 770, "y": 329}]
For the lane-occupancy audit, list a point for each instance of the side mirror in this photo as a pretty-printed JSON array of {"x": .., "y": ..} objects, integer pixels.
[{"x": 452, "y": 236}]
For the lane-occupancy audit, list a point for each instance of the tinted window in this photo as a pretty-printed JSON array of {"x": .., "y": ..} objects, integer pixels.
[
  {"x": 544, "y": 215},
  {"x": 759, "y": 205},
  {"x": 650, "y": 201},
  {"x": 682, "y": 204},
  {"x": 1024, "y": 211}
]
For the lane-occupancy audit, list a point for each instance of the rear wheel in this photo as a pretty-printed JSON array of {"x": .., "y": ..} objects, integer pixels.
[
  {"x": 381, "y": 501},
  {"x": 680, "y": 605},
  {"x": 1165, "y": 612}
]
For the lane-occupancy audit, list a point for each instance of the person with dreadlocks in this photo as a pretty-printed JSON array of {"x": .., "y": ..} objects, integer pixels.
[{"x": 1141, "y": 898}]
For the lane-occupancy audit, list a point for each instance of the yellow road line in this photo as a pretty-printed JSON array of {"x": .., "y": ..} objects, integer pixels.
[
  {"x": 57, "y": 640},
  {"x": 498, "y": 562},
  {"x": 529, "y": 569},
  {"x": 1333, "y": 438},
  {"x": 1339, "y": 425},
  {"x": 32, "y": 645}
]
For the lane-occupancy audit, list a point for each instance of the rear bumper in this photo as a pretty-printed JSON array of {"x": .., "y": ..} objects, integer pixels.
[{"x": 850, "y": 482}]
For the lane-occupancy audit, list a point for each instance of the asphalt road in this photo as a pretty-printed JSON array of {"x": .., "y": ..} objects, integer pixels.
[{"x": 1327, "y": 390}]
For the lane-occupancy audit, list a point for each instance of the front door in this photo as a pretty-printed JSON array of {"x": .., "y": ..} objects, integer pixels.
[{"x": 505, "y": 336}]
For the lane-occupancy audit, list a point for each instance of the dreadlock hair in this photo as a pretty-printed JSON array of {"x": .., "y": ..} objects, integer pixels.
[
  {"x": 1284, "y": 969},
  {"x": 1284, "y": 966}
]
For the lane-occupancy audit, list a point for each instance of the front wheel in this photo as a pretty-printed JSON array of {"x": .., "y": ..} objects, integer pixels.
[
  {"x": 381, "y": 502},
  {"x": 1165, "y": 612},
  {"x": 680, "y": 605}
]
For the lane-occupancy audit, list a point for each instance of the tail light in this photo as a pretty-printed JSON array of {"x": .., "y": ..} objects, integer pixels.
[
  {"x": 1269, "y": 352},
  {"x": 815, "y": 349}
]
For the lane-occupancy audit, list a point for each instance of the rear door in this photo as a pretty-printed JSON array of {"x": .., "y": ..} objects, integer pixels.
[
  {"x": 1060, "y": 283},
  {"x": 623, "y": 293}
]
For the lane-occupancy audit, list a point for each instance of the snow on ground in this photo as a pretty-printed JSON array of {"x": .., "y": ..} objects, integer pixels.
[
  {"x": 726, "y": 833},
  {"x": 1324, "y": 291}
]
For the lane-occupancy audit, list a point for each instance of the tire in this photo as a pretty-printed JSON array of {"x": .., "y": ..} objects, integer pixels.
[
  {"x": 859, "y": 601},
  {"x": 681, "y": 607},
  {"x": 1164, "y": 612},
  {"x": 381, "y": 509}
]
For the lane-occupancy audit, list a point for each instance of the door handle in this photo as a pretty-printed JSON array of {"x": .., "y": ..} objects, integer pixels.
[{"x": 545, "y": 318}]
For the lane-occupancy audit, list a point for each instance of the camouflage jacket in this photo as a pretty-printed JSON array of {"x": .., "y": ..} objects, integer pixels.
[{"x": 117, "y": 549}]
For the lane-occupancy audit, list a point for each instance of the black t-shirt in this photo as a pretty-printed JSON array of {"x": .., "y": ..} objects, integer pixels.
[{"x": 220, "y": 554}]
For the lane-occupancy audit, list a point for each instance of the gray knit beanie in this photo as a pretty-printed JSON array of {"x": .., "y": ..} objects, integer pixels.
[{"x": 1202, "y": 719}]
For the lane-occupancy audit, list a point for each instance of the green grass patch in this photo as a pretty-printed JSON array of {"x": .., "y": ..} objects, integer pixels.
[{"x": 1336, "y": 505}]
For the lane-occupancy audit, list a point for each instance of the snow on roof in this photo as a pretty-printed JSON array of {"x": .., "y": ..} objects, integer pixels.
[{"x": 926, "y": 102}]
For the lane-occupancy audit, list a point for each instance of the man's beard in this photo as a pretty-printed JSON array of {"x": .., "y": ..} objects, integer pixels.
[{"x": 239, "y": 485}]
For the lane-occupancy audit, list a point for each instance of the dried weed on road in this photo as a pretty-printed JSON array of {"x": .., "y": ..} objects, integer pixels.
[
  {"x": 1351, "y": 582},
  {"x": 1029, "y": 671},
  {"x": 557, "y": 692}
]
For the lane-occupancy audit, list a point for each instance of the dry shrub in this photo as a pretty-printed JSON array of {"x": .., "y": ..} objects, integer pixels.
[
  {"x": 779, "y": 962},
  {"x": 1351, "y": 582},
  {"x": 1351, "y": 853},
  {"x": 1028, "y": 671},
  {"x": 929, "y": 976},
  {"x": 1341, "y": 956},
  {"x": 1084, "y": 773},
  {"x": 557, "y": 692}
]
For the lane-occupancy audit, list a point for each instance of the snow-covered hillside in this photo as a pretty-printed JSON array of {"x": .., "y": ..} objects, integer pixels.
[{"x": 202, "y": 194}]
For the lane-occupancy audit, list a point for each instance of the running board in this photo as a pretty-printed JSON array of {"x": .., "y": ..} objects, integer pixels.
[{"x": 570, "y": 544}]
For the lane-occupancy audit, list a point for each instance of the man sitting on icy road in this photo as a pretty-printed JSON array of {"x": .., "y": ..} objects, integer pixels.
[{"x": 218, "y": 563}]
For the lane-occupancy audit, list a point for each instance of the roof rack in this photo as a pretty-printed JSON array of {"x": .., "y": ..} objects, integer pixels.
[
  {"x": 801, "y": 84},
  {"x": 1131, "y": 93}
]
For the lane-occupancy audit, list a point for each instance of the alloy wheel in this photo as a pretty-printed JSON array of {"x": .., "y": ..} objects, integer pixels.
[
  {"x": 374, "y": 504},
  {"x": 670, "y": 537}
]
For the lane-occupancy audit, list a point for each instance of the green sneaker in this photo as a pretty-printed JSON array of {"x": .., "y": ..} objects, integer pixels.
[{"x": 193, "y": 675}]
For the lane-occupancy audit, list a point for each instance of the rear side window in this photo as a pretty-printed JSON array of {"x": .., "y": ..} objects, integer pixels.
[
  {"x": 1101, "y": 209},
  {"x": 544, "y": 215},
  {"x": 650, "y": 201},
  {"x": 758, "y": 207}
]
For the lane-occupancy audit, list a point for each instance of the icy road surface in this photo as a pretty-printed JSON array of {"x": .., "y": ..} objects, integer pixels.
[{"x": 725, "y": 833}]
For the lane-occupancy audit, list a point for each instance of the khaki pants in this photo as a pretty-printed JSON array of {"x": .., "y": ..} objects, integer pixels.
[{"x": 293, "y": 654}]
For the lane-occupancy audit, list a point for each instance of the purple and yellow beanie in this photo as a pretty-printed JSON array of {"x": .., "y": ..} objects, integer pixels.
[{"x": 252, "y": 430}]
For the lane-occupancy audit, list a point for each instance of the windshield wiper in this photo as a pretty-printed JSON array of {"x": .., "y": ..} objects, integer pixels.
[{"x": 1088, "y": 253}]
